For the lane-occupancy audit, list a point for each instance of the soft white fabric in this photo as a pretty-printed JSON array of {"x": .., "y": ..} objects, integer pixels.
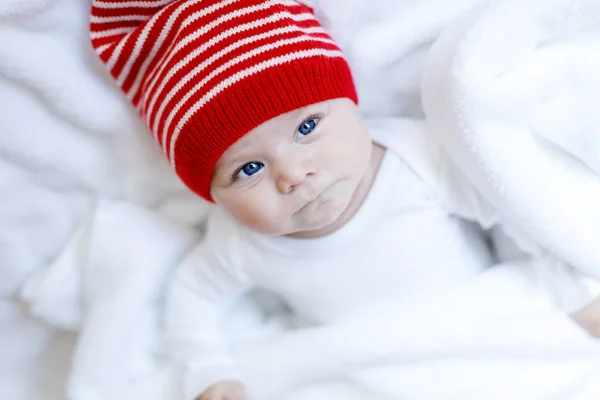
[
  {"x": 358, "y": 357},
  {"x": 501, "y": 314},
  {"x": 123, "y": 289},
  {"x": 68, "y": 138},
  {"x": 512, "y": 91},
  {"x": 386, "y": 43},
  {"x": 70, "y": 146},
  {"x": 448, "y": 348},
  {"x": 402, "y": 246}
]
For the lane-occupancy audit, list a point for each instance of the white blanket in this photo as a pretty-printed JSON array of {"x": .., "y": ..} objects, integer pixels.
[
  {"x": 93, "y": 221},
  {"x": 512, "y": 91},
  {"x": 67, "y": 138}
]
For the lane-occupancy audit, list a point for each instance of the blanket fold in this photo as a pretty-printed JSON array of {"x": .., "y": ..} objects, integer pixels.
[
  {"x": 510, "y": 89},
  {"x": 503, "y": 331}
]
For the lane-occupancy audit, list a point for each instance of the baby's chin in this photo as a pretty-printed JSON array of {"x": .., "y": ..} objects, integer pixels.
[
  {"x": 311, "y": 218},
  {"x": 297, "y": 224},
  {"x": 319, "y": 218}
]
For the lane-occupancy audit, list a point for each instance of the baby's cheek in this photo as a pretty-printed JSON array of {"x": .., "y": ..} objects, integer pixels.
[{"x": 260, "y": 214}]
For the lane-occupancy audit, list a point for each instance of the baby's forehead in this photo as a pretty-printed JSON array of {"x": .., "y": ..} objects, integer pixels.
[
  {"x": 264, "y": 134},
  {"x": 262, "y": 137},
  {"x": 252, "y": 143},
  {"x": 288, "y": 120}
]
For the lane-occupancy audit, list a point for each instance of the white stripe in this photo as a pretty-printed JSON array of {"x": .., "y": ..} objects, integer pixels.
[
  {"x": 183, "y": 42},
  {"x": 100, "y": 50},
  {"x": 204, "y": 47},
  {"x": 228, "y": 49},
  {"x": 163, "y": 35},
  {"x": 150, "y": 89},
  {"x": 110, "y": 32},
  {"x": 238, "y": 13},
  {"x": 238, "y": 77},
  {"x": 132, "y": 4},
  {"x": 202, "y": 66},
  {"x": 254, "y": 52},
  {"x": 137, "y": 49},
  {"x": 118, "y": 18},
  {"x": 117, "y": 52}
]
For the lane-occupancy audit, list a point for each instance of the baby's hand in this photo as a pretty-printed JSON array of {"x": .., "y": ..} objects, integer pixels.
[
  {"x": 589, "y": 317},
  {"x": 226, "y": 390}
]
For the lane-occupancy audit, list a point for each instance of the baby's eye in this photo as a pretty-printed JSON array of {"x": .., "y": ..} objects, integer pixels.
[
  {"x": 306, "y": 128},
  {"x": 249, "y": 169}
]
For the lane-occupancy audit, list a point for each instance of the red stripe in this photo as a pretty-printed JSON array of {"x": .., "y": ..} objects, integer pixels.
[
  {"x": 106, "y": 55},
  {"x": 106, "y": 40},
  {"x": 280, "y": 51},
  {"x": 199, "y": 23},
  {"x": 176, "y": 34},
  {"x": 179, "y": 75},
  {"x": 102, "y": 26},
  {"x": 167, "y": 43},
  {"x": 249, "y": 18},
  {"x": 128, "y": 45},
  {"x": 159, "y": 23},
  {"x": 117, "y": 12},
  {"x": 122, "y": 1}
]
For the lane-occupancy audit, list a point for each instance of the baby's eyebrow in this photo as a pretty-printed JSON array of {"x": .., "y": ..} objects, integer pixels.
[
  {"x": 311, "y": 110},
  {"x": 306, "y": 114}
]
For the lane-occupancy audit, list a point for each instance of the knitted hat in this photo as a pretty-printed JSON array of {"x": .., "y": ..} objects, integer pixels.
[{"x": 203, "y": 73}]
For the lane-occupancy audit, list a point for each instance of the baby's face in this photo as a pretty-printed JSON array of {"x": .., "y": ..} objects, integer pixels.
[{"x": 297, "y": 172}]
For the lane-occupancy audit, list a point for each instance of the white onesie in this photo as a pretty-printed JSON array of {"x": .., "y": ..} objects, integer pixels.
[{"x": 405, "y": 243}]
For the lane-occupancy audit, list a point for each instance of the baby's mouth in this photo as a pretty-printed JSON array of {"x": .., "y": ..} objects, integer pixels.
[
  {"x": 319, "y": 200},
  {"x": 310, "y": 202}
]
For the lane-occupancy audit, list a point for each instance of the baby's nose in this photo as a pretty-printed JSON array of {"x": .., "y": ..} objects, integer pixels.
[
  {"x": 288, "y": 181},
  {"x": 292, "y": 174}
]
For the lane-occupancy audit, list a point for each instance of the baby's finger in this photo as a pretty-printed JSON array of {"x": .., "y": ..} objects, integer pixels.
[{"x": 237, "y": 395}]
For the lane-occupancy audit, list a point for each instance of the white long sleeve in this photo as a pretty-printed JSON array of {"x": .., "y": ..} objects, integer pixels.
[{"x": 201, "y": 292}]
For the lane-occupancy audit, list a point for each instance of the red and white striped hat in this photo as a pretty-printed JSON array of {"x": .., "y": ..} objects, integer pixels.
[{"x": 203, "y": 73}]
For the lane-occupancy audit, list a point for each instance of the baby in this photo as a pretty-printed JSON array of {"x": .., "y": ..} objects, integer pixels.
[{"x": 254, "y": 106}]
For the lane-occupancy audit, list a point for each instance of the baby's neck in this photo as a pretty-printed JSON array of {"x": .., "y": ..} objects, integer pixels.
[{"x": 357, "y": 199}]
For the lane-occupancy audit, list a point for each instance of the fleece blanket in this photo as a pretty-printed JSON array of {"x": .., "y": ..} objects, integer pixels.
[
  {"x": 93, "y": 221},
  {"x": 512, "y": 92},
  {"x": 502, "y": 329},
  {"x": 68, "y": 138},
  {"x": 67, "y": 141}
]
